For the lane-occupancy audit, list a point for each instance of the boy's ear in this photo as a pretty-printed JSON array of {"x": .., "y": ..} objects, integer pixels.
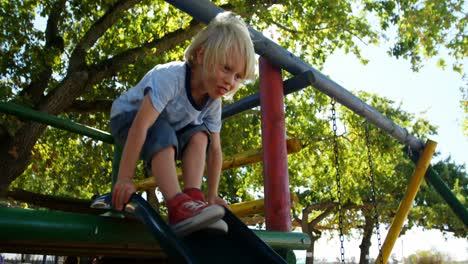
[{"x": 200, "y": 53}]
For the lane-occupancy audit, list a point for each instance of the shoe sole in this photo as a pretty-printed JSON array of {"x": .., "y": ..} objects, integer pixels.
[
  {"x": 219, "y": 226},
  {"x": 206, "y": 217}
]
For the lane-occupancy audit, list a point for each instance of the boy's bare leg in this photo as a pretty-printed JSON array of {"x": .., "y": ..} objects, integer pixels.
[
  {"x": 193, "y": 160},
  {"x": 164, "y": 171}
]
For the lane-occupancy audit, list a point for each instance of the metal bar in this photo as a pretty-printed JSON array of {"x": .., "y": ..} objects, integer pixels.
[
  {"x": 52, "y": 226},
  {"x": 62, "y": 248},
  {"x": 406, "y": 203},
  {"x": 248, "y": 208},
  {"x": 460, "y": 211},
  {"x": 284, "y": 240},
  {"x": 54, "y": 229},
  {"x": 434, "y": 179},
  {"x": 204, "y": 11},
  {"x": 275, "y": 163},
  {"x": 293, "y": 145},
  {"x": 26, "y": 113},
  {"x": 291, "y": 85},
  {"x": 118, "y": 149}
]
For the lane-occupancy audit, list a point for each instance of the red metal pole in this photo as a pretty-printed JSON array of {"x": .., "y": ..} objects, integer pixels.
[{"x": 275, "y": 163}]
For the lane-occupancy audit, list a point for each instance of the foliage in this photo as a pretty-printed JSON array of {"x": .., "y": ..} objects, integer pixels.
[
  {"x": 427, "y": 257},
  {"x": 64, "y": 164},
  {"x": 431, "y": 211}
]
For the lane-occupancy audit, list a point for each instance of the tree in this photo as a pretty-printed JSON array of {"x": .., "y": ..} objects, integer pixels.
[{"x": 427, "y": 257}]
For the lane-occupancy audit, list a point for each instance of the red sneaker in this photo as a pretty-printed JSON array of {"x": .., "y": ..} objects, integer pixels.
[
  {"x": 187, "y": 215},
  {"x": 198, "y": 196}
]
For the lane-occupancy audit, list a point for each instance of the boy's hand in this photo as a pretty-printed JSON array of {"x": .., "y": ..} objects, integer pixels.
[
  {"x": 217, "y": 200},
  {"x": 122, "y": 192}
]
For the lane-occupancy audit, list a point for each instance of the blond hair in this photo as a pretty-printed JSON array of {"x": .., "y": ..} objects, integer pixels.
[{"x": 225, "y": 34}]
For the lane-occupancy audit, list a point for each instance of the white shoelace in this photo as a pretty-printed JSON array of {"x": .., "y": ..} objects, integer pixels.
[{"x": 194, "y": 205}]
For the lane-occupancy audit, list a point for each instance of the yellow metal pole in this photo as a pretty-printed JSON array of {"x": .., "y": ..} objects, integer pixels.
[
  {"x": 405, "y": 205},
  {"x": 293, "y": 145},
  {"x": 248, "y": 208},
  {"x": 255, "y": 207}
]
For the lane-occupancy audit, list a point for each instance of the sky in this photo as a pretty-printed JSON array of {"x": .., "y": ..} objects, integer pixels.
[{"x": 431, "y": 93}]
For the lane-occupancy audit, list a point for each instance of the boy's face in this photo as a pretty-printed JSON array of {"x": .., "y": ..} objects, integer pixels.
[{"x": 224, "y": 78}]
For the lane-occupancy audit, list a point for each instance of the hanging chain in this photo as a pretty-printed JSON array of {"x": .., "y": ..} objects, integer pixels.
[
  {"x": 338, "y": 179},
  {"x": 374, "y": 195}
]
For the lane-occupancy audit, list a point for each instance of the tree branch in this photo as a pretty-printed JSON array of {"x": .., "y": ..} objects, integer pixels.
[
  {"x": 322, "y": 216},
  {"x": 105, "y": 22},
  {"x": 62, "y": 96},
  {"x": 77, "y": 59},
  {"x": 54, "y": 203},
  {"x": 283, "y": 27},
  {"x": 54, "y": 45},
  {"x": 89, "y": 106},
  {"x": 109, "y": 67}
]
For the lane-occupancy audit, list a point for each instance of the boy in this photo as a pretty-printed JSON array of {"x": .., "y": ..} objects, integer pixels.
[{"x": 175, "y": 112}]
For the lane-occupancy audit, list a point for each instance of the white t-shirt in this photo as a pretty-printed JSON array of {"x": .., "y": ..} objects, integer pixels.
[{"x": 169, "y": 88}]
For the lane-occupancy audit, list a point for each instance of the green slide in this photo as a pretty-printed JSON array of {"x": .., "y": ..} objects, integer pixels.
[{"x": 239, "y": 245}]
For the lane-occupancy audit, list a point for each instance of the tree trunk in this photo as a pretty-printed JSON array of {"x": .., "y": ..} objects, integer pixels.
[
  {"x": 310, "y": 253},
  {"x": 15, "y": 153},
  {"x": 314, "y": 234},
  {"x": 152, "y": 198},
  {"x": 366, "y": 240}
]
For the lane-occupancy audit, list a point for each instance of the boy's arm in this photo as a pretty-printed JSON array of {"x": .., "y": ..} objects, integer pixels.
[
  {"x": 214, "y": 162},
  {"x": 124, "y": 187}
]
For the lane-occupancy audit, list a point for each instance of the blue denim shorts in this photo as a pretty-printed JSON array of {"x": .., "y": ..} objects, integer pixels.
[{"x": 160, "y": 135}]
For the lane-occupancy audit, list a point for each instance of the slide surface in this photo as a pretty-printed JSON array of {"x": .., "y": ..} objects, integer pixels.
[{"x": 240, "y": 245}]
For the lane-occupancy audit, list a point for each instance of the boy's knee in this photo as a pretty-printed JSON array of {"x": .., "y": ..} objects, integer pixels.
[
  {"x": 199, "y": 139},
  {"x": 169, "y": 150}
]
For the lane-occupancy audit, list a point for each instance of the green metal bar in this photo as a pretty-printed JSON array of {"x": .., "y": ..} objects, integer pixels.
[
  {"x": 53, "y": 232},
  {"x": 284, "y": 240},
  {"x": 116, "y": 163},
  {"x": 457, "y": 207},
  {"x": 26, "y": 113},
  {"x": 444, "y": 191},
  {"x": 22, "y": 226},
  {"x": 47, "y": 226}
]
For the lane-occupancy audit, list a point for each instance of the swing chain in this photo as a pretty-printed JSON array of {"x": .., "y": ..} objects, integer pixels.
[
  {"x": 374, "y": 195},
  {"x": 338, "y": 178}
]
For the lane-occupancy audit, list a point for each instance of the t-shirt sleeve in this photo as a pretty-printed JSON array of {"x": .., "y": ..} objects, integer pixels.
[
  {"x": 212, "y": 119},
  {"x": 160, "y": 85}
]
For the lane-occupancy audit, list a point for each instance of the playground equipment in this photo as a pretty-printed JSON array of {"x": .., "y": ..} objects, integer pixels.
[
  {"x": 240, "y": 245},
  {"x": 56, "y": 232}
]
